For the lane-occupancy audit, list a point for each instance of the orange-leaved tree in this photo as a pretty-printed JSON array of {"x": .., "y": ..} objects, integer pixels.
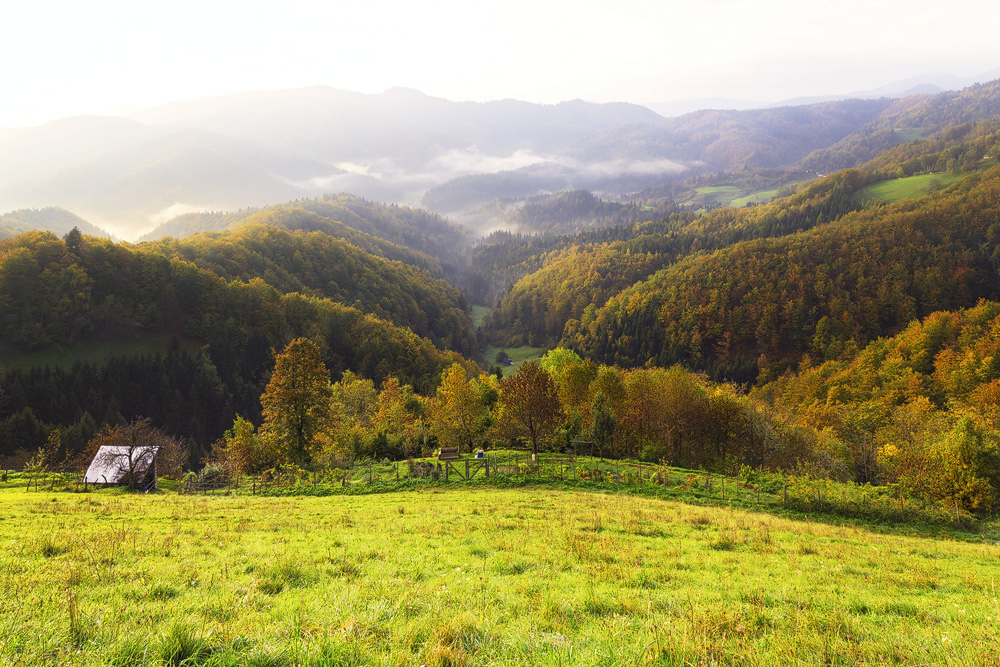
[{"x": 529, "y": 405}]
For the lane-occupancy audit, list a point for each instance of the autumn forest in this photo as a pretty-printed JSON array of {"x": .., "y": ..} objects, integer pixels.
[{"x": 843, "y": 326}]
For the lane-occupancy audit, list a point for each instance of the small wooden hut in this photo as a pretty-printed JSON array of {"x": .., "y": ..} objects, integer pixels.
[{"x": 115, "y": 465}]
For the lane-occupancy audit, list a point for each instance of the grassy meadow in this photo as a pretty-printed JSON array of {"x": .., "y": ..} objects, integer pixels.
[
  {"x": 912, "y": 187},
  {"x": 475, "y": 576},
  {"x": 517, "y": 354},
  {"x": 92, "y": 351}
]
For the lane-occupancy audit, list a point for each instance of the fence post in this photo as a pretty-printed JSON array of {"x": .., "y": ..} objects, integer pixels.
[{"x": 466, "y": 470}]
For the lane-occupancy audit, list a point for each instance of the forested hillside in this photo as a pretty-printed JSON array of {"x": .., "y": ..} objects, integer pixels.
[
  {"x": 55, "y": 292},
  {"x": 539, "y": 305},
  {"x": 752, "y": 281},
  {"x": 55, "y": 220},
  {"x": 924, "y": 116},
  {"x": 395, "y": 232},
  {"x": 865, "y": 275},
  {"x": 909, "y": 407},
  {"x": 318, "y": 264}
]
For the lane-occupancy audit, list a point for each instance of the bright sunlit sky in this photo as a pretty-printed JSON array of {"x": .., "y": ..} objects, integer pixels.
[{"x": 67, "y": 57}]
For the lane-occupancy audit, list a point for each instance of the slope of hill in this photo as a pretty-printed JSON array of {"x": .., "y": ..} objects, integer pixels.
[
  {"x": 566, "y": 282},
  {"x": 911, "y": 118},
  {"x": 252, "y": 149},
  {"x": 910, "y": 406},
  {"x": 318, "y": 264},
  {"x": 145, "y": 183},
  {"x": 966, "y": 149},
  {"x": 847, "y": 282},
  {"x": 395, "y": 232},
  {"x": 52, "y": 219},
  {"x": 54, "y": 293}
]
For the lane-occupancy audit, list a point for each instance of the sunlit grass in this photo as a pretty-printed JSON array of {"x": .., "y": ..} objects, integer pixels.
[
  {"x": 474, "y": 576},
  {"x": 898, "y": 189},
  {"x": 517, "y": 354}
]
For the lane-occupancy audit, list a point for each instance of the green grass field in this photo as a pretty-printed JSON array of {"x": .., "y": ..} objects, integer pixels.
[
  {"x": 906, "y": 134},
  {"x": 898, "y": 189},
  {"x": 759, "y": 197},
  {"x": 735, "y": 195},
  {"x": 479, "y": 314},
  {"x": 719, "y": 195},
  {"x": 475, "y": 576},
  {"x": 91, "y": 351},
  {"x": 517, "y": 354}
]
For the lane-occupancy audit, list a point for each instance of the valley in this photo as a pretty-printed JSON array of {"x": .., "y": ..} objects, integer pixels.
[{"x": 800, "y": 302}]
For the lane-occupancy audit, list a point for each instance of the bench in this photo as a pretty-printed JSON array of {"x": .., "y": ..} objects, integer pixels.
[{"x": 448, "y": 454}]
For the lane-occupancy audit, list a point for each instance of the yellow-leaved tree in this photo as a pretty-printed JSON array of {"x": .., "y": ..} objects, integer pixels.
[
  {"x": 296, "y": 404},
  {"x": 460, "y": 412}
]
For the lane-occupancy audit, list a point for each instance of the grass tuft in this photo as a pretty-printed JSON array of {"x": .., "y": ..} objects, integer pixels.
[
  {"x": 182, "y": 646},
  {"x": 49, "y": 548}
]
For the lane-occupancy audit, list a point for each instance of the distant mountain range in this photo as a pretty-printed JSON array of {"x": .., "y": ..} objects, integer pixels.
[
  {"x": 254, "y": 149},
  {"x": 925, "y": 84}
]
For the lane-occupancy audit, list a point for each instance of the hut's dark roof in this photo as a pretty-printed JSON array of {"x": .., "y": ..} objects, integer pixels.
[{"x": 111, "y": 464}]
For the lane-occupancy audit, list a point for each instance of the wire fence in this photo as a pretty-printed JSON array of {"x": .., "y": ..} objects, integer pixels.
[{"x": 771, "y": 491}]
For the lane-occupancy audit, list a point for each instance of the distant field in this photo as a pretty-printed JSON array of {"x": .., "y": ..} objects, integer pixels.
[
  {"x": 517, "y": 354},
  {"x": 719, "y": 195},
  {"x": 475, "y": 576},
  {"x": 734, "y": 195},
  {"x": 898, "y": 189},
  {"x": 907, "y": 134},
  {"x": 479, "y": 314},
  {"x": 761, "y": 197},
  {"x": 95, "y": 352}
]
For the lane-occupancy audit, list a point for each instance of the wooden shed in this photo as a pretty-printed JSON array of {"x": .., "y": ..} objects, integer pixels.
[{"x": 123, "y": 465}]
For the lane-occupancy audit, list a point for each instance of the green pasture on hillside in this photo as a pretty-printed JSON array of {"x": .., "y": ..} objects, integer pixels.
[
  {"x": 759, "y": 197},
  {"x": 718, "y": 195},
  {"x": 475, "y": 576},
  {"x": 735, "y": 195},
  {"x": 479, "y": 314},
  {"x": 898, "y": 189},
  {"x": 906, "y": 134},
  {"x": 91, "y": 351},
  {"x": 517, "y": 354}
]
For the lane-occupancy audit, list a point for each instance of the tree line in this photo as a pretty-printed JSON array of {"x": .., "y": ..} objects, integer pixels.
[{"x": 561, "y": 402}]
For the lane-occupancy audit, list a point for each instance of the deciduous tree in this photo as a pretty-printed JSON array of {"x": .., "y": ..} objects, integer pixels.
[
  {"x": 296, "y": 403},
  {"x": 529, "y": 405}
]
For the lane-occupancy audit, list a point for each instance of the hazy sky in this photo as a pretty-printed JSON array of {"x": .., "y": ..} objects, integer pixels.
[{"x": 61, "y": 58}]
